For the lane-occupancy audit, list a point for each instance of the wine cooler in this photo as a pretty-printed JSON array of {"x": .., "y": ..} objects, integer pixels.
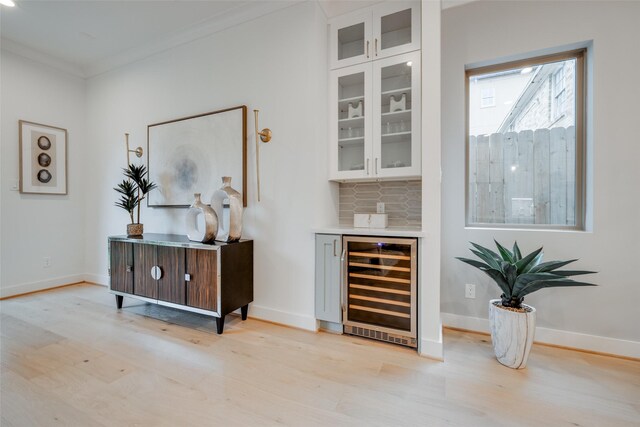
[{"x": 379, "y": 288}]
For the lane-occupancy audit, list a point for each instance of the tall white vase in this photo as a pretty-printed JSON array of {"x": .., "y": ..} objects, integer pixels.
[
  {"x": 512, "y": 334},
  {"x": 228, "y": 205},
  {"x": 201, "y": 222}
]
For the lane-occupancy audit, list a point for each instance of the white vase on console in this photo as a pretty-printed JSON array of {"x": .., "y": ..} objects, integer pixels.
[
  {"x": 201, "y": 222},
  {"x": 228, "y": 205}
]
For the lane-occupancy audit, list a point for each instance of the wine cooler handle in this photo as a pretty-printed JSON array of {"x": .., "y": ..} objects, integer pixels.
[{"x": 343, "y": 285}]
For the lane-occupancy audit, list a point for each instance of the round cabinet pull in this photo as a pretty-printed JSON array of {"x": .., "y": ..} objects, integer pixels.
[{"x": 156, "y": 272}]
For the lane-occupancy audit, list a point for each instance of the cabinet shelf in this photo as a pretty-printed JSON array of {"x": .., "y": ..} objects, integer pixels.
[
  {"x": 396, "y": 116},
  {"x": 396, "y": 137},
  {"x": 357, "y": 122},
  {"x": 345, "y": 101},
  {"x": 351, "y": 141},
  {"x": 399, "y": 90}
]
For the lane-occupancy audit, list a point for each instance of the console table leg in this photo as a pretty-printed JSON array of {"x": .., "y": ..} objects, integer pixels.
[
  {"x": 119, "y": 299},
  {"x": 243, "y": 311},
  {"x": 220, "y": 324}
]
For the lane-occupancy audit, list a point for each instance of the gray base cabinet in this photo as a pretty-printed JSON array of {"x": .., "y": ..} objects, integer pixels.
[{"x": 328, "y": 274}]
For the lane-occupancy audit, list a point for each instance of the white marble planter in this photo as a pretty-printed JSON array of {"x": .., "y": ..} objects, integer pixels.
[{"x": 511, "y": 334}]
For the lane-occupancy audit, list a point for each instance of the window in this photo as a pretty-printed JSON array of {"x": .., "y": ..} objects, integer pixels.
[{"x": 525, "y": 155}]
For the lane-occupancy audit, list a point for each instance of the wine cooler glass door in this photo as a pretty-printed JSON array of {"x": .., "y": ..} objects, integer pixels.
[{"x": 380, "y": 280}]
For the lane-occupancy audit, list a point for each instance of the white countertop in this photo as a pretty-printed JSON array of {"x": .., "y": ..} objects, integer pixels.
[{"x": 389, "y": 231}]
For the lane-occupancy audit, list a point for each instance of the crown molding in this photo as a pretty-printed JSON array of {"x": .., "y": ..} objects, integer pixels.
[
  {"x": 41, "y": 57},
  {"x": 241, "y": 14},
  {"x": 448, "y": 4}
]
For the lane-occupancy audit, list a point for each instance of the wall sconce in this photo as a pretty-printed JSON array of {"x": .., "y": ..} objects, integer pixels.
[
  {"x": 138, "y": 150},
  {"x": 265, "y": 136}
]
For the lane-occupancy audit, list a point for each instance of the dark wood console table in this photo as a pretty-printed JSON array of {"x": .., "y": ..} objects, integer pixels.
[{"x": 170, "y": 270}]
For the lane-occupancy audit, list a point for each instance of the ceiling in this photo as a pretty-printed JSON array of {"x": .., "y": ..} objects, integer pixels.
[
  {"x": 89, "y": 37},
  {"x": 92, "y": 36}
]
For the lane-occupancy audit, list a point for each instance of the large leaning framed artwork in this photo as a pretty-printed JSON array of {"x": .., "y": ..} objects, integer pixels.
[
  {"x": 192, "y": 154},
  {"x": 43, "y": 158}
]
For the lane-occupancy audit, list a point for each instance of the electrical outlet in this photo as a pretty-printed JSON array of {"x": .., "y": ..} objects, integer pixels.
[
  {"x": 470, "y": 291},
  {"x": 380, "y": 207},
  {"x": 47, "y": 262}
]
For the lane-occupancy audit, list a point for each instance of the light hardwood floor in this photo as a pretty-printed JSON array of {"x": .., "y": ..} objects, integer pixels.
[{"x": 70, "y": 358}]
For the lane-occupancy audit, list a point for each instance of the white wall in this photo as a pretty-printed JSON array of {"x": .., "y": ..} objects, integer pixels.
[
  {"x": 484, "y": 31},
  {"x": 276, "y": 63},
  {"x": 431, "y": 343},
  {"x": 36, "y": 226}
]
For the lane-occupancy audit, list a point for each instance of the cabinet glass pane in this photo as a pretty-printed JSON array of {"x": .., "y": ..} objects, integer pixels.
[
  {"x": 351, "y": 128},
  {"x": 396, "y": 29},
  {"x": 351, "y": 41},
  {"x": 396, "y": 116}
]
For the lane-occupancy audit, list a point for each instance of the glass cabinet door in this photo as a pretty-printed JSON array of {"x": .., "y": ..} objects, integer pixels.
[
  {"x": 396, "y": 28},
  {"x": 350, "y": 39},
  {"x": 397, "y": 126},
  {"x": 351, "y": 114}
]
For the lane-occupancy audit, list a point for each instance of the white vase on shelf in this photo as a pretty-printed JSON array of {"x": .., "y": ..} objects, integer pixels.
[
  {"x": 398, "y": 105},
  {"x": 354, "y": 111}
]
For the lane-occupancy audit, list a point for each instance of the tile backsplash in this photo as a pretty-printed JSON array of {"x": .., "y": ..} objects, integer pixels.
[{"x": 402, "y": 201}]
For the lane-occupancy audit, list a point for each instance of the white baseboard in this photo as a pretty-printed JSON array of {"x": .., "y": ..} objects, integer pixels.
[
  {"x": 554, "y": 336},
  {"x": 98, "y": 279},
  {"x": 433, "y": 349},
  {"x": 283, "y": 317},
  {"x": 24, "y": 288}
]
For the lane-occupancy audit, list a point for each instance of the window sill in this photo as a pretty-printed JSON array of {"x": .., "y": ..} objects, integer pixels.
[{"x": 526, "y": 227}]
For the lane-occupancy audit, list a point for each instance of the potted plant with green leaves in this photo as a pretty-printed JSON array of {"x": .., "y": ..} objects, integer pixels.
[
  {"x": 133, "y": 189},
  {"x": 512, "y": 323}
]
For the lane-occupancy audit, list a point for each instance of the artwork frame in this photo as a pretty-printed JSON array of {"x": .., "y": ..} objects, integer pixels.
[
  {"x": 42, "y": 158},
  {"x": 191, "y": 154}
]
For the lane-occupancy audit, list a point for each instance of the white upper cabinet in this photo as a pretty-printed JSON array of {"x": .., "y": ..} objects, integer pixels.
[
  {"x": 374, "y": 119},
  {"x": 396, "y": 116},
  {"x": 377, "y": 32},
  {"x": 350, "y": 123},
  {"x": 350, "y": 39}
]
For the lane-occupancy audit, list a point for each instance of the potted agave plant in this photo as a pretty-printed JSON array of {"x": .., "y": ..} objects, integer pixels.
[
  {"x": 512, "y": 323},
  {"x": 132, "y": 191}
]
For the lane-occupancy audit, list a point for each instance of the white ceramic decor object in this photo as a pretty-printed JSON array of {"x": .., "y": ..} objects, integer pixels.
[
  {"x": 399, "y": 105},
  {"x": 511, "y": 334},
  {"x": 227, "y": 203},
  {"x": 201, "y": 221},
  {"x": 370, "y": 220},
  {"x": 356, "y": 111}
]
